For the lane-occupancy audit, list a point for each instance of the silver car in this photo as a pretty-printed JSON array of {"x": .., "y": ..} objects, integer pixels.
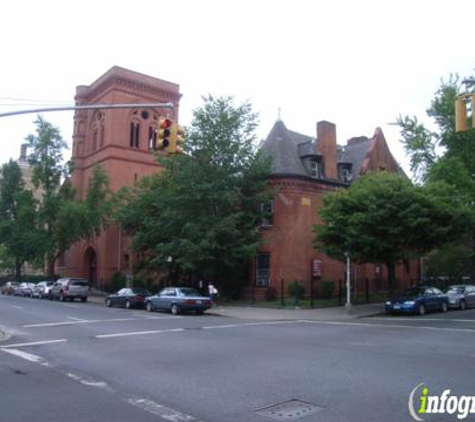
[
  {"x": 42, "y": 289},
  {"x": 461, "y": 296},
  {"x": 69, "y": 289}
]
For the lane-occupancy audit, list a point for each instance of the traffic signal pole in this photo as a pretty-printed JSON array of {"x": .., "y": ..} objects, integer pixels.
[{"x": 87, "y": 107}]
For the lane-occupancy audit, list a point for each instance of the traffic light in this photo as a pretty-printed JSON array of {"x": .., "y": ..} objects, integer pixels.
[
  {"x": 164, "y": 133},
  {"x": 177, "y": 139}
]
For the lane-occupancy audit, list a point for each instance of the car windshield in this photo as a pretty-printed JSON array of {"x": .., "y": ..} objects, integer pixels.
[
  {"x": 140, "y": 291},
  {"x": 189, "y": 292},
  {"x": 415, "y": 291},
  {"x": 455, "y": 289}
]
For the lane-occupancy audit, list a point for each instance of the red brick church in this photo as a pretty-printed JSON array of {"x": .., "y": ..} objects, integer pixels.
[{"x": 304, "y": 169}]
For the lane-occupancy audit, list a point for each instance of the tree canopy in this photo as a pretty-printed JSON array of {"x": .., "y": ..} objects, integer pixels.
[
  {"x": 64, "y": 218},
  {"x": 200, "y": 215},
  {"x": 383, "y": 218},
  {"x": 439, "y": 153}
]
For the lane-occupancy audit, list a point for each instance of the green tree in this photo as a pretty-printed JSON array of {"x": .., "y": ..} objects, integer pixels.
[
  {"x": 441, "y": 154},
  {"x": 65, "y": 219},
  {"x": 19, "y": 231},
  {"x": 203, "y": 210},
  {"x": 383, "y": 218}
]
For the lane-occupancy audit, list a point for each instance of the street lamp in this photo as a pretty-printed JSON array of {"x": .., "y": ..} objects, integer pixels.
[{"x": 348, "y": 298}]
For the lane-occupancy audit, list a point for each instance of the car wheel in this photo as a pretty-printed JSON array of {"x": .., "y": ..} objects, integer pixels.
[
  {"x": 61, "y": 297},
  {"x": 463, "y": 305},
  {"x": 422, "y": 309},
  {"x": 174, "y": 309},
  {"x": 128, "y": 305},
  {"x": 149, "y": 307},
  {"x": 108, "y": 303},
  {"x": 444, "y": 307}
]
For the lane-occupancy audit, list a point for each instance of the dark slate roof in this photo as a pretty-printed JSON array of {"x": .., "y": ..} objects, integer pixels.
[
  {"x": 283, "y": 146},
  {"x": 355, "y": 152}
]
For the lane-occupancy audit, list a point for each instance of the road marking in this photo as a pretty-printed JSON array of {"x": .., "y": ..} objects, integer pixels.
[
  {"x": 27, "y": 356},
  {"x": 91, "y": 382},
  {"x": 79, "y": 321},
  {"x": 145, "y": 316},
  {"x": 423, "y": 319},
  {"x": 17, "y": 307},
  {"x": 76, "y": 319},
  {"x": 140, "y": 333},
  {"x": 249, "y": 324},
  {"x": 410, "y": 327},
  {"x": 161, "y": 411},
  {"x": 34, "y": 343}
]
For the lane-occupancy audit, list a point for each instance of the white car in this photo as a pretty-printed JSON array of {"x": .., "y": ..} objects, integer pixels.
[{"x": 42, "y": 289}]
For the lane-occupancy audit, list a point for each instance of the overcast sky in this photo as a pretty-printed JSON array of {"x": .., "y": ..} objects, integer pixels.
[{"x": 358, "y": 64}]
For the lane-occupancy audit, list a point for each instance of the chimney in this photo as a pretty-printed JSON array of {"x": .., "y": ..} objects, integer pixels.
[
  {"x": 326, "y": 145},
  {"x": 23, "y": 152}
]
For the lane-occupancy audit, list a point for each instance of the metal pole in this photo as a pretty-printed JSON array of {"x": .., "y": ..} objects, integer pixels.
[
  {"x": 87, "y": 107},
  {"x": 348, "y": 274}
]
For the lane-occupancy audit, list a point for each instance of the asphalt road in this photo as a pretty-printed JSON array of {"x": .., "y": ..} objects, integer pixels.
[{"x": 85, "y": 362}]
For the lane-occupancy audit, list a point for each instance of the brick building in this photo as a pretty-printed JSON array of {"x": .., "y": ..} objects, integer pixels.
[
  {"x": 304, "y": 170},
  {"x": 118, "y": 140}
]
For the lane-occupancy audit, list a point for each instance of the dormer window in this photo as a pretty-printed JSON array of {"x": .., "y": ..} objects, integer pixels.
[{"x": 345, "y": 172}]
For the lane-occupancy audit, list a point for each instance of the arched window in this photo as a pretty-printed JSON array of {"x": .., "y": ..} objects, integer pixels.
[
  {"x": 145, "y": 119},
  {"x": 97, "y": 132}
]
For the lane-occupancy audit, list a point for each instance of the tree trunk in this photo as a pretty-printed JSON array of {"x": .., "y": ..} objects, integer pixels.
[
  {"x": 50, "y": 265},
  {"x": 391, "y": 266},
  {"x": 18, "y": 265}
]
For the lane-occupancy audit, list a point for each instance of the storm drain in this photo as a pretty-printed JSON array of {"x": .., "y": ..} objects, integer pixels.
[{"x": 290, "y": 410}]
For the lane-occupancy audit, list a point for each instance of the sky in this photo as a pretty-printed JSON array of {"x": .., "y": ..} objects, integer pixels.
[{"x": 358, "y": 64}]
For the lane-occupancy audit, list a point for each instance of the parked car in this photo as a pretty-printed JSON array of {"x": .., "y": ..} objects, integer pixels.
[
  {"x": 9, "y": 287},
  {"x": 419, "y": 300},
  {"x": 24, "y": 289},
  {"x": 129, "y": 297},
  {"x": 69, "y": 289},
  {"x": 461, "y": 296},
  {"x": 178, "y": 300},
  {"x": 42, "y": 289}
]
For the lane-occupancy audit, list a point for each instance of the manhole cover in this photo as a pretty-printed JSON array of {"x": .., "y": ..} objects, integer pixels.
[{"x": 289, "y": 410}]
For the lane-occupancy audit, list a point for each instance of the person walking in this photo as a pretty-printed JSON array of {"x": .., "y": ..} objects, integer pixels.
[{"x": 213, "y": 292}]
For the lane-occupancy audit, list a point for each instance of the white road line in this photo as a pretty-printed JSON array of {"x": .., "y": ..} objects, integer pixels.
[
  {"x": 249, "y": 324},
  {"x": 91, "y": 382},
  {"x": 423, "y": 319},
  {"x": 27, "y": 356},
  {"x": 410, "y": 327},
  {"x": 34, "y": 343},
  {"x": 76, "y": 319},
  {"x": 145, "y": 316},
  {"x": 161, "y": 411},
  {"x": 17, "y": 307},
  {"x": 79, "y": 321},
  {"x": 140, "y": 333}
]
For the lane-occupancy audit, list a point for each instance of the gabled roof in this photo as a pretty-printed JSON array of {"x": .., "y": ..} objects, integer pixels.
[{"x": 282, "y": 146}]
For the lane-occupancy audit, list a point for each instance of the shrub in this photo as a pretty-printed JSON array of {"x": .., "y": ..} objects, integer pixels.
[
  {"x": 296, "y": 290},
  {"x": 271, "y": 294},
  {"x": 327, "y": 290}
]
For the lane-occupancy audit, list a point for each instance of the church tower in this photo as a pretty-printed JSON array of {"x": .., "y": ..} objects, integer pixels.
[{"x": 120, "y": 140}]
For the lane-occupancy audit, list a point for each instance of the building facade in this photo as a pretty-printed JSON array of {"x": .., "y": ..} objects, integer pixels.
[
  {"x": 304, "y": 170},
  {"x": 120, "y": 140}
]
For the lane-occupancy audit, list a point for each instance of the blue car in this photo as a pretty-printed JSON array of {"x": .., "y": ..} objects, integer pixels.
[{"x": 419, "y": 300}]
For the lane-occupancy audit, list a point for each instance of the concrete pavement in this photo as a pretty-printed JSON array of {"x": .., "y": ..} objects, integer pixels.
[{"x": 289, "y": 313}]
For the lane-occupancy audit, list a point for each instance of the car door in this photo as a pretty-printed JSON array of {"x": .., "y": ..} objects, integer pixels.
[
  {"x": 122, "y": 295},
  {"x": 430, "y": 299},
  {"x": 470, "y": 295}
]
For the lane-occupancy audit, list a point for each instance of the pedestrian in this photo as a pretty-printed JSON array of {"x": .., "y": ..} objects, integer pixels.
[{"x": 213, "y": 292}]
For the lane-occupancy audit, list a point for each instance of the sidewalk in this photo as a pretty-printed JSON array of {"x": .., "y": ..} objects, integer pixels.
[
  {"x": 339, "y": 313},
  {"x": 276, "y": 314}
]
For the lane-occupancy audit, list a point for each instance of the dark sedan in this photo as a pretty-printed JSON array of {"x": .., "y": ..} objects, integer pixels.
[
  {"x": 461, "y": 296},
  {"x": 418, "y": 300},
  {"x": 178, "y": 300},
  {"x": 128, "y": 297}
]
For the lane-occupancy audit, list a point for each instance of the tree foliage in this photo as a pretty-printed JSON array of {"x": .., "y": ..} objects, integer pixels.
[
  {"x": 383, "y": 218},
  {"x": 64, "y": 218},
  {"x": 202, "y": 211},
  {"x": 20, "y": 234},
  {"x": 442, "y": 154}
]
